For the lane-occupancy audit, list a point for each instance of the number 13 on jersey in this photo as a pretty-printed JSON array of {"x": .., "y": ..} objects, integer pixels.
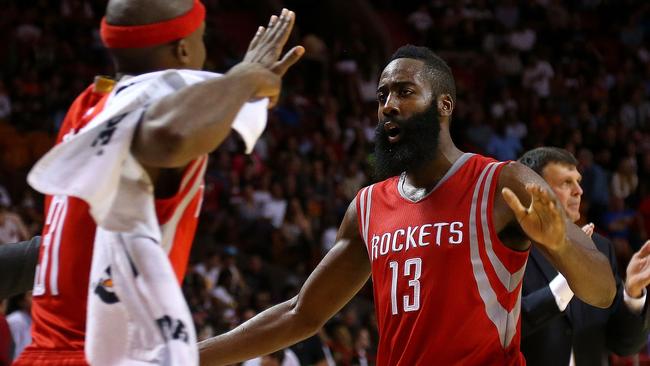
[{"x": 411, "y": 272}]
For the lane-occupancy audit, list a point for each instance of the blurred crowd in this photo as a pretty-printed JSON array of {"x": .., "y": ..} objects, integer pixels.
[{"x": 573, "y": 74}]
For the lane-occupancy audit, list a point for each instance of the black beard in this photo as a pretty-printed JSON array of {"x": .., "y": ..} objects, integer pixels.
[{"x": 417, "y": 145}]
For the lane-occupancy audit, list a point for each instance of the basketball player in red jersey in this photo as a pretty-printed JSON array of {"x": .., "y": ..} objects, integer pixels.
[
  {"x": 171, "y": 142},
  {"x": 445, "y": 238}
]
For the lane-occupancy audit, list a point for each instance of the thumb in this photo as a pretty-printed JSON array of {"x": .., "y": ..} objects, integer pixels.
[
  {"x": 513, "y": 202},
  {"x": 289, "y": 58}
]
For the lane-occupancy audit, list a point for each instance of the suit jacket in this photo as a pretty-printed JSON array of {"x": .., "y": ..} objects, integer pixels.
[{"x": 548, "y": 334}]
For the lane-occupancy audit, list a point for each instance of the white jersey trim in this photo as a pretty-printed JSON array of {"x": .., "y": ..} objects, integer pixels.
[
  {"x": 168, "y": 229},
  {"x": 505, "y": 321}
]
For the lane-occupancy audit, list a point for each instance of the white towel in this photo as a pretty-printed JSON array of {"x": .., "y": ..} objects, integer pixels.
[{"x": 136, "y": 311}]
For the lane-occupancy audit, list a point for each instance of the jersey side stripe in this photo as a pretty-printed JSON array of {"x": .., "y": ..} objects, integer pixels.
[
  {"x": 508, "y": 280},
  {"x": 369, "y": 206},
  {"x": 169, "y": 228},
  {"x": 362, "y": 213},
  {"x": 505, "y": 321},
  {"x": 56, "y": 245},
  {"x": 190, "y": 172}
]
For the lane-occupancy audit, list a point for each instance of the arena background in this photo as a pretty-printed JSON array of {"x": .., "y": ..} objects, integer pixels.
[{"x": 572, "y": 74}]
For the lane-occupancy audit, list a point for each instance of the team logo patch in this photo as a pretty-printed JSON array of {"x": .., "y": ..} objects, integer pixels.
[{"x": 104, "y": 288}]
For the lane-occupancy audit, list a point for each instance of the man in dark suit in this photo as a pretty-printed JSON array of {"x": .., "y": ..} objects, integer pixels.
[{"x": 558, "y": 328}]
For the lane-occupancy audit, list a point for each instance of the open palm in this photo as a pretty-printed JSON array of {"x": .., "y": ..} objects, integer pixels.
[{"x": 542, "y": 221}]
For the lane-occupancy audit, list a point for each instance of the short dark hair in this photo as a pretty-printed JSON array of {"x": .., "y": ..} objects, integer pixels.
[
  {"x": 441, "y": 77},
  {"x": 537, "y": 159}
]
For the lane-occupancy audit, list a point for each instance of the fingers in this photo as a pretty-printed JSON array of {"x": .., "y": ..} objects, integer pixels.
[
  {"x": 644, "y": 251},
  {"x": 261, "y": 32},
  {"x": 542, "y": 200},
  {"x": 288, "y": 60},
  {"x": 513, "y": 202},
  {"x": 256, "y": 38},
  {"x": 268, "y": 42},
  {"x": 539, "y": 194},
  {"x": 588, "y": 229},
  {"x": 285, "y": 26}
]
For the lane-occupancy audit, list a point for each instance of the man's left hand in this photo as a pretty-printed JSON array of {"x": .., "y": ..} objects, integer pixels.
[{"x": 542, "y": 221}]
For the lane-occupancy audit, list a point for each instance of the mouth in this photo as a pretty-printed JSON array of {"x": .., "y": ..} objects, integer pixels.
[{"x": 393, "y": 131}]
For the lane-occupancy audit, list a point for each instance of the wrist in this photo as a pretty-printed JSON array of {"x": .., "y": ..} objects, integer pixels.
[
  {"x": 557, "y": 248},
  {"x": 259, "y": 80},
  {"x": 633, "y": 292}
]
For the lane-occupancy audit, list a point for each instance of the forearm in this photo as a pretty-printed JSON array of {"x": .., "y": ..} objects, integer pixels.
[
  {"x": 339, "y": 276},
  {"x": 271, "y": 330},
  {"x": 586, "y": 269},
  {"x": 196, "y": 119},
  {"x": 17, "y": 266}
]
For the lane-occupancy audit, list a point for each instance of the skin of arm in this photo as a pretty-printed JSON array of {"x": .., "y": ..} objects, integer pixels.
[
  {"x": 338, "y": 277},
  {"x": 196, "y": 119},
  {"x": 527, "y": 199}
]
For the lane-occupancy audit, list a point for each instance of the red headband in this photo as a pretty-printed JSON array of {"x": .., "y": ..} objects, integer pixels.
[{"x": 148, "y": 35}]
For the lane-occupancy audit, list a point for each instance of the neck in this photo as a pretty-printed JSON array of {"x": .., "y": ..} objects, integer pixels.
[{"x": 429, "y": 174}]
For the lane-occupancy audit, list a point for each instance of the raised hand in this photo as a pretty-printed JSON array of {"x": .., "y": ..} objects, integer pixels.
[
  {"x": 267, "y": 45},
  {"x": 543, "y": 221},
  {"x": 264, "y": 52},
  {"x": 588, "y": 229},
  {"x": 638, "y": 271}
]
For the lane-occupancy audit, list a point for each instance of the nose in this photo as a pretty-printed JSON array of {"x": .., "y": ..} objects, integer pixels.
[
  {"x": 577, "y": 190},
  {"x": 390, "y": 107}
]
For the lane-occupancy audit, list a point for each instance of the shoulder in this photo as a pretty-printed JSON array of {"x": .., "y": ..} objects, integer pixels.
[
  {"x": 514, "y": 172},
  {"x": 516, "y": 176}
]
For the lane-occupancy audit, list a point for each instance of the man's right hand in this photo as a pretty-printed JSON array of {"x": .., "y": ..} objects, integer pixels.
[
  {"x": 265, "y": 50},
  {"x": 589, "y": 229},
  {"x": 638, "y": 272}
]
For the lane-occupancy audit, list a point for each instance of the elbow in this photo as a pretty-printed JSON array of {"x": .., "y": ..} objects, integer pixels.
[{"x": 308, "y": 323}]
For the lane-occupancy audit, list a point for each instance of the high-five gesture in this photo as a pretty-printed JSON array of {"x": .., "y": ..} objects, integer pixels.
[
  {"x": 543, "y": 221},
  {"x": 267, "y": 45},
  {"x": 263, "y": 57}
]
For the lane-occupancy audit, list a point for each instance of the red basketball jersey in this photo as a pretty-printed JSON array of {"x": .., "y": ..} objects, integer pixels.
[
  {"x": 61, "y": 280},
  {"x": 447, "y": 291}
]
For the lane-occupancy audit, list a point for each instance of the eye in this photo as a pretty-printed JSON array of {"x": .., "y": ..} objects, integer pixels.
[
  {"x": 381, "y": 97},
  {"x": 406, "y": 92}
]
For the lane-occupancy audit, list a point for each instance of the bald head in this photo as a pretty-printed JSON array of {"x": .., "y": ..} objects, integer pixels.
[{"x": 140, "y": 12}]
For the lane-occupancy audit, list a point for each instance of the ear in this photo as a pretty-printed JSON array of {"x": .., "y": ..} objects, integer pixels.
[
  {"x": 445, "y": 105},
  {"x": 181, "y": 52}
]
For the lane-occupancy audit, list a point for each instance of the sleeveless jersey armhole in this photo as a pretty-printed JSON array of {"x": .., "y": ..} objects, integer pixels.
[
  {"x": 513, "y": 259},
  {"x": 364, "y": 205}
]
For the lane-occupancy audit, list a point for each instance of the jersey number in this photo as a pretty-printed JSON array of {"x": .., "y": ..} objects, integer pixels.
[
  {"x": 49, "y": 260},
  {"x": 412, "y": 270}
]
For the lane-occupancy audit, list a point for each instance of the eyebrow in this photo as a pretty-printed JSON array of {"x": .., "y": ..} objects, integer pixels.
[{"x": 396, "y": 84}]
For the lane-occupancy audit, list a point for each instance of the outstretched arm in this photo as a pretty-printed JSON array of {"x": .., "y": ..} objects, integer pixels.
[
  {"x": 196, "y": 119},
  {"x": 537, "y": 211},
  {"x": 338, "y": 277}
]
